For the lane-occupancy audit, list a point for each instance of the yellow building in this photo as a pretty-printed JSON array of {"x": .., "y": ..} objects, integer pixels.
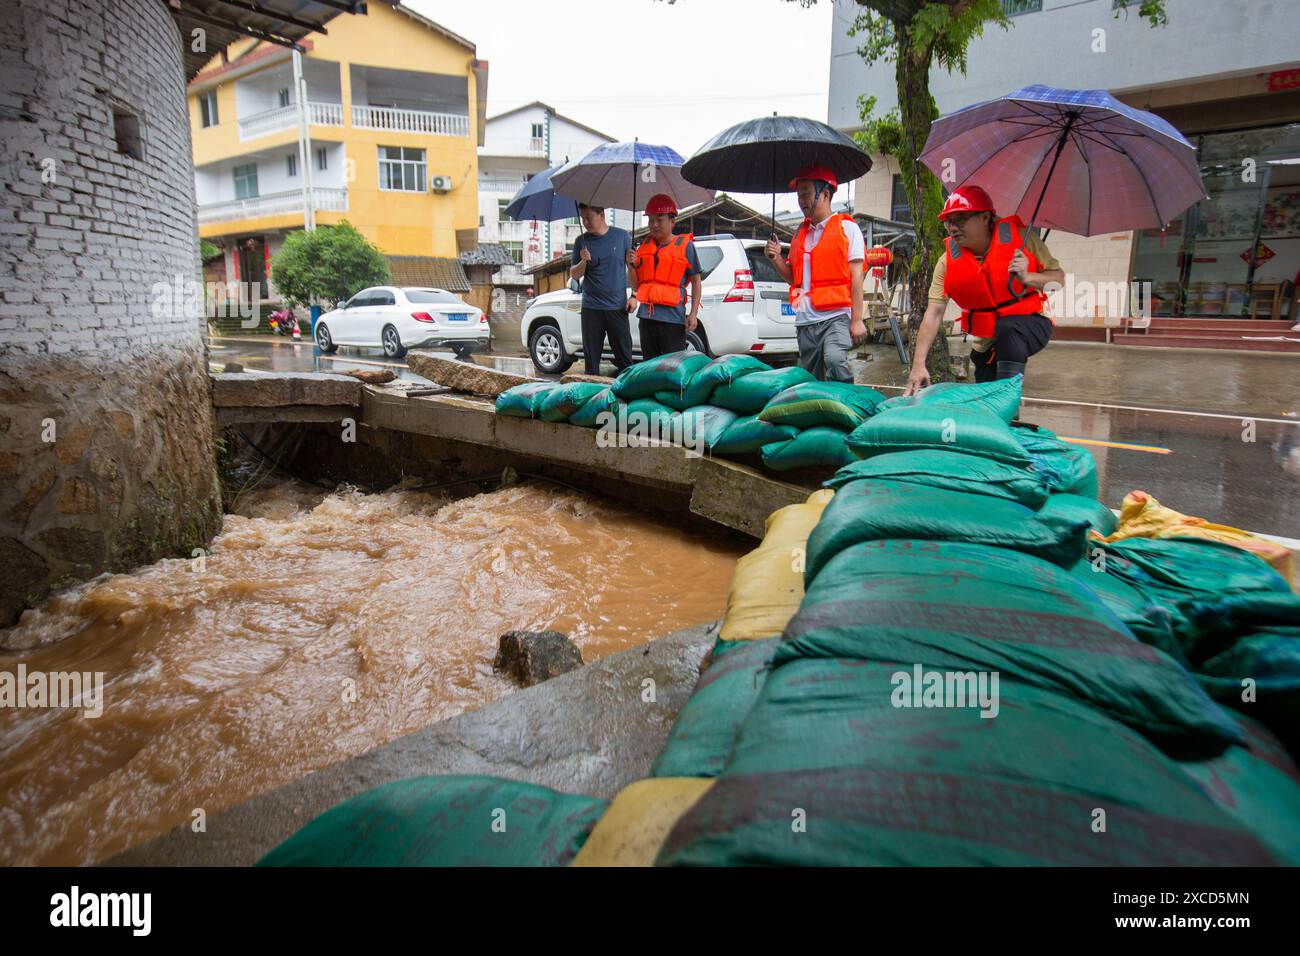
[{"x": 396, "y": 109}]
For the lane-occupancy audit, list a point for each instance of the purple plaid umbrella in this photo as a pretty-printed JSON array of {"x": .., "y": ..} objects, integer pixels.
[{"x": 1077, "y": 160}]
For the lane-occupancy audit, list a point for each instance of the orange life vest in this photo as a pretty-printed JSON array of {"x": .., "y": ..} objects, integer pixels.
[
  {"x": 981, "y": 288},
  {"x": 831, "y": 286},
  {"x": 659, "y": 270}
]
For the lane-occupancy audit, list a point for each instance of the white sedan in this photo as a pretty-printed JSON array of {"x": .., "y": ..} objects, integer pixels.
[{"x": 396, "y": 319}]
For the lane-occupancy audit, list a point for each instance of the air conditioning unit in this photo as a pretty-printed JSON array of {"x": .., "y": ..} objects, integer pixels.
[{"x": 440, "y": 184}]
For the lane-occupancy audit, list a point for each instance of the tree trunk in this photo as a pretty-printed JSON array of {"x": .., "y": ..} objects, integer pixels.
[{"x": 917, "y": 110}]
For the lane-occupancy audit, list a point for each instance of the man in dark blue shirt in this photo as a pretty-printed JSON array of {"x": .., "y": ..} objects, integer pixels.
[{"x": 599, "y": 260}]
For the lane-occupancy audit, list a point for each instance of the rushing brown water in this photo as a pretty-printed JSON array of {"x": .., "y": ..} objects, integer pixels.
[{"x": 318, "y": 627}]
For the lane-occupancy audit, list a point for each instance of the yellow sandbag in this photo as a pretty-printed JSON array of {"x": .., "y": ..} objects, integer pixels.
[
  {"x": 767, "y": 585},
  {"x": 639, "y": 820},
  {"x": 1141, "y": 516}
]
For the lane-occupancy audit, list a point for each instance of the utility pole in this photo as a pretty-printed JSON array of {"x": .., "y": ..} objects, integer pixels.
[{"x": 304, "y": 143}]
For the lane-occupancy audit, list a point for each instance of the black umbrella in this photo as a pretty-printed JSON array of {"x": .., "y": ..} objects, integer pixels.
[{"x": 763, "y": 155}]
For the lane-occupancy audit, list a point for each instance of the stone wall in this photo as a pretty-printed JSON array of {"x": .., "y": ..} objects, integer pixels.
[{"x": 107, "y": 455}]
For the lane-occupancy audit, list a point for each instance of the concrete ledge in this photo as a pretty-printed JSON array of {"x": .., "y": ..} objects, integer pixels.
[
  {"x": 249, "y": 415},
  {"x": 740, "y": 497},
  {"x": 589, "y": 731},
  {"x": 244, "y": 389}
]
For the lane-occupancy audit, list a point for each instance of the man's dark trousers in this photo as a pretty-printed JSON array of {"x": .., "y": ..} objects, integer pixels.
[
  {"x": 660, "y": 338},
  {"x": 596, "y": 324}
]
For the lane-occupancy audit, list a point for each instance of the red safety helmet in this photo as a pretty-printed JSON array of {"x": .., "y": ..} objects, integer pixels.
[
  {"x": 661, "y": 205},
  {"x": 816, "y": 172},
  {"x": 966, "y": 199}
]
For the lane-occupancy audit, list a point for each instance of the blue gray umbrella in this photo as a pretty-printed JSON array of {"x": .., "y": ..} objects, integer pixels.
[
  {"x": 538, "y": 200},
  {"x": 1078, "y": 160},
  {"x": 613, "y": 174}
]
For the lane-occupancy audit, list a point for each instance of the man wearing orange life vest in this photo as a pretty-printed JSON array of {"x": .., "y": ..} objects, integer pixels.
[
  {"x": 1006, "y": 319},
  {"x": 825, "y": 275},
  {"x": 658, "y": 270}
]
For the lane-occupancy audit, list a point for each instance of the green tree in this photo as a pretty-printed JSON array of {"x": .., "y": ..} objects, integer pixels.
[
  {"x": 208, "y": 251},
  {"x": 326, "y": 265},
  {"x": 916, "y": 35}
]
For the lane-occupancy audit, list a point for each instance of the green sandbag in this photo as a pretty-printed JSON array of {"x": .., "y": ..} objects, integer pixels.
[
  {"x": 876, "y": 509},
  {"x": 811, "y": 448},
  {"x": 836, "y": 404},
  {"x": 1001, "y": 397},
  {"x": 702, "y": 425},
  {"x": 1063, "y": 467},
  {"x": 1210, "y": 624},
  {"x": 445, "y": 821},
  {"x": 588, "y": 416},
  {"x": 951, "y": 470},
  {"x": 882, "y": 784},
  {"x": 701, "y": 738},
  {"x": 668, "y": 372},
  {"x": 524, "y": 401},
  {"x": 1098, "y": 517},
  {"x": 1270, "y": 659},
  {"x": 1259, "y": 785},
  {"x": 1150, "y": 622},
  {"x": 566, "y": 399},
  {"x": 646, "y": 415},
  {"x": 965, "y": 429},
  {"x": 973, "y": 607},
  {"x": 721, "y": 371},
  {"x": 675, "y": 400},
  {"x": 749, "y": 434},
  {"x": 749, "y": 394}
]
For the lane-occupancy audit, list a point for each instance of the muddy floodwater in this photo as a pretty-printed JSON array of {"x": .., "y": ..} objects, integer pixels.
[{"x": 318, "y": 626}]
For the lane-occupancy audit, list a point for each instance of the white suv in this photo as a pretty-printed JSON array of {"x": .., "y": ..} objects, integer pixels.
[
  {"x": 396, "y": 319},
  {"x": 744, "y": 309}
]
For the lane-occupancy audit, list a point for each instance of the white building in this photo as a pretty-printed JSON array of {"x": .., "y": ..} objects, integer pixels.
[
  {"x": 517, "y": 145},
  {"x": 1226, "y": 74}
]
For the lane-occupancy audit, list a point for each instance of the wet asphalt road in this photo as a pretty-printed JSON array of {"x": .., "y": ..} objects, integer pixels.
[{"x": 1209, "y": 434}]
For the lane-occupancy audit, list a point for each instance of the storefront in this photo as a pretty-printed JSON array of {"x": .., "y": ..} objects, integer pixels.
[{"x": 1237, "y": 253}]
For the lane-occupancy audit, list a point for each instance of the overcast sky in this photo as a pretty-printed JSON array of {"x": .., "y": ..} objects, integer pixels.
[{"x": 673, "y": 74}]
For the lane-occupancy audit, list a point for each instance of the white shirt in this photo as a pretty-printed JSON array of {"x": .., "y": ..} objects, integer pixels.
[{"x": 805, "y": 314}]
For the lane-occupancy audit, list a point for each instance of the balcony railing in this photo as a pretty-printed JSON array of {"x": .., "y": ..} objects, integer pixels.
[
  {"x": 324, "y": 198},
  {"x": 409, "y": 121},
  {"x": 506, "y": 187},
  {"x": 286, "y": 117}
]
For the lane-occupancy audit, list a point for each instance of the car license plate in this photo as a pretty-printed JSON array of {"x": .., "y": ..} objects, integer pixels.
[
  {"x": 458, "y": 316},
  {"x": 787, "y": 308}
]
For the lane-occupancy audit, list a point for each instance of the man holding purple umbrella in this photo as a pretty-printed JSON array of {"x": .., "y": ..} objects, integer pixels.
[{"x": 985, "y": 259}]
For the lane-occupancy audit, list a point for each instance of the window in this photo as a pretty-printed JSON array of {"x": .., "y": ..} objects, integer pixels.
[
  {"x": 381, "y": 297},
  {"x": 322, "y": 157},
  {"x": 246, "y": 181},
  {"x": 760, "y": 266},
  {"x": 899, "y": 211},
  {"x": 481, "y": 221},
  {"x": 538, "y": 131},
  {"x": 402, "y": 169},
  {"x": 283, "y": 96},
  {"x": 430, "y": 297},
  {"x": 126, "y": 132},
  {"x": 516, "y": 250},
  {"x": 291, "y": 165},
  {"x": 572, "y": 221},
  {"x": 361, "y": 299},
  {"x": 501, "y": 209},
  {"x": 1013, "y": 8},
  {"x": 710, "y": 259},
  {"x": 208, "y": 108}
]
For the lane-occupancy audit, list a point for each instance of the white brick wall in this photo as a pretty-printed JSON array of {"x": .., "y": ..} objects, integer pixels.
[{"x": 86, "y": 231}]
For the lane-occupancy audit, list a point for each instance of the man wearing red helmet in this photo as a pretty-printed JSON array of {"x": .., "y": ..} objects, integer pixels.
[
  {"x": 825, "y": 275},
  {"x": 995, "y": 269},
  {"x": 658, "y": 270}
]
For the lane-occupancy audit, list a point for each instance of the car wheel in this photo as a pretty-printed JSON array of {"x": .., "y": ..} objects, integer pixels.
[
  {"x": 392, "y": 342},
  {"x": 323, "y": 340},
  {"x": 697, "y": 342},
  {"x": 546, "y": 346}
]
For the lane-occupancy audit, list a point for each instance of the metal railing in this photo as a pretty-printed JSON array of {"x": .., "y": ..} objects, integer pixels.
[
  {"x": 286, "y": 117},
  {"x": 324, "y": 198},
  {"x": 409, "y": 121}
]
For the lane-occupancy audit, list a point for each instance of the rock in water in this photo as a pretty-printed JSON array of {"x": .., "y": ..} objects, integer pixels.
[{"x": 530, "y": 657}]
